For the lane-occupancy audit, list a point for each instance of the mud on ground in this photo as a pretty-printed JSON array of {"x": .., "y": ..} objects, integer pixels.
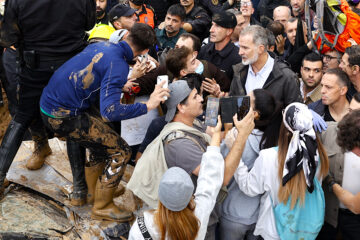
[{"x": 4, "y": 117}]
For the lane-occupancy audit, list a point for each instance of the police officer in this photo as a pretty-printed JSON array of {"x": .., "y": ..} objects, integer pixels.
[
  {"x": 197, "y": 20},
  {"x": 46, "y": 34}
]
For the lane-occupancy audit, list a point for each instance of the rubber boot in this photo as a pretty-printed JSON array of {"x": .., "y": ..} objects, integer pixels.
[
  {"x": 76, "y": 154},
  {"x": 9, "y": 147},
  {"x": 120, "y": 190},
  {"x": 2, "y": 186},
  {"x": 104, "y": 207},
  {"x": 92, "y": 175},
  {"x": 37, "y": 159}
]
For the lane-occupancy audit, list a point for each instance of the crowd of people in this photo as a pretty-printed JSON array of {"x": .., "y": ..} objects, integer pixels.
[{"x": 129, "y": 82}]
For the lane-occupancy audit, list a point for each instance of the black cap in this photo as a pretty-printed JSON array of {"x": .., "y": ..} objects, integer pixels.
[
  {"x": 120, "y": 10},
  {"x": 225, "y": 19}
]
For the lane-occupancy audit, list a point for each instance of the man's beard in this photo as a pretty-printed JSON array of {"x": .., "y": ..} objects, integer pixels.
[
  {"x": 99, "y": 12},
  {"x": 252, "y": 60},
  {"x": 169, "y": 29}
]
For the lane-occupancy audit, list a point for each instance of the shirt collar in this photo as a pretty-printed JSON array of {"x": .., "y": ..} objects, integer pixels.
[{"x": 269, "y": 63}]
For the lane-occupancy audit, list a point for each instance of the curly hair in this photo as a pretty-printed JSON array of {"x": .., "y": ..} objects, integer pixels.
[{"x": 348, "y": 134}]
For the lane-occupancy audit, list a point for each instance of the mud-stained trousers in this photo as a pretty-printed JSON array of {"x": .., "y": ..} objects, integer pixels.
[{"x": 103, "y": 142}]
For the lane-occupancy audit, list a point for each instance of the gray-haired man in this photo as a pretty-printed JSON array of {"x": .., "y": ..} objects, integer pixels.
[{"x": 259, "y": 69}]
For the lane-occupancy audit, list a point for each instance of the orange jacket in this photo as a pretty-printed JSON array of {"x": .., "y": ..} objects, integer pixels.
[
  {"x": 352, "y": 30},
  {"x": 146, "y": 15}
]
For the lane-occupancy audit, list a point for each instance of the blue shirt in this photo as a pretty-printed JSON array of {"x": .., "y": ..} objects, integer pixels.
[{"x": 100, "y": 70}]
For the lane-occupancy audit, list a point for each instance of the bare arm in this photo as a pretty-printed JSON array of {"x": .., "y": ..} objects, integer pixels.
[{"x": 351, "y": 201}]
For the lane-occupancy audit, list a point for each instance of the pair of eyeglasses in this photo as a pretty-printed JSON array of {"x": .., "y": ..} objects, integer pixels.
[
  {"x": 245, "y": 4},
  {"x": 328, "y": 57}
]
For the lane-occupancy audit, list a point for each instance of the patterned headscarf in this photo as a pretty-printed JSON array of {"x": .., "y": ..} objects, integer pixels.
[{"x": 302, "y": 152}]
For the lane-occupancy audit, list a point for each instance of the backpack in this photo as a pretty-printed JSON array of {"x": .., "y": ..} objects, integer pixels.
[{"x": 303, "y": 222}]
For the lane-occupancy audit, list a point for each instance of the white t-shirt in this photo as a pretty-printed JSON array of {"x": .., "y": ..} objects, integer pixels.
[
  {"x": 351, "y": 177},
  {"x": 133, "y": 130}
]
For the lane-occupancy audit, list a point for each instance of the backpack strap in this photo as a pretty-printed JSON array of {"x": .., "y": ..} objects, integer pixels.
[
  {"x": 182, "y": 134},
  {"x": 144, "y": 231}
]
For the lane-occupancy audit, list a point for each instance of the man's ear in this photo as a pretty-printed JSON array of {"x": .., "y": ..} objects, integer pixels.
[
  {"x": 355, "y": 69},
  {"x": 229, "y": 31},
  {"x": 182, "y": 73},
  {"x": 180, "y": 107},
  {"x": 261, "y": 49},
  {"x": 343, "y": 90}
]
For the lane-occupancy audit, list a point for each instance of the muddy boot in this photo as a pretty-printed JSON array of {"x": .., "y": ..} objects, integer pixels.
[
  {"x": 37, "y": 159},
  {"x": 91, "y": 175},
  {"x": 76, "y": 154},
  {"x": 120, "y": 190},
  {"x": 2, "y": 186},
  {"x": 104, "y": 207},
  {"x": 9, "y": 147}
]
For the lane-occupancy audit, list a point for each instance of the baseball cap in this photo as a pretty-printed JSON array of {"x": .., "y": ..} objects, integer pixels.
[
  {"x": 179, "y": 90},
  {"x": 225, "y": 19},
  {"x": 175, "y": 189},
  {"x": 120, "y": 10}
]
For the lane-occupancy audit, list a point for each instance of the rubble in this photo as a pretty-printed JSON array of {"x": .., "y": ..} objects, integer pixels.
[{"x": 37, "y": 206}]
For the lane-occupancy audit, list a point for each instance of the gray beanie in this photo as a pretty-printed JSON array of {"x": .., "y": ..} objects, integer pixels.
[{"x": 176, "y": 189}]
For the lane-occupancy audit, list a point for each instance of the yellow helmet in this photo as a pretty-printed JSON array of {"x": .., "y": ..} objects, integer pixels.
[{"x": 101, "y": 32}]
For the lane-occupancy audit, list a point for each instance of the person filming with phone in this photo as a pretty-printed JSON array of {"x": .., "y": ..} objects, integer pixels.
[{"x": 182, "y": 143}]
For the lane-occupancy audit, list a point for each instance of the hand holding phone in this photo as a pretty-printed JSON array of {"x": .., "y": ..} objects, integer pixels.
[
  {"x": 212, "y": 112},
  {"x": 163, "y": 78}
]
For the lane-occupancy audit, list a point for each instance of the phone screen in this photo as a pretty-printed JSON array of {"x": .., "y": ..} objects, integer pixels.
[
  {"x": 212, "y": 112},
  {"x": 228, "y": 108},
  {"x": 243, "y": 104}
]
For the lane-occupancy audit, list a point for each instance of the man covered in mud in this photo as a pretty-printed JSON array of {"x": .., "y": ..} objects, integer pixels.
[{"x": 100, "y": 71}]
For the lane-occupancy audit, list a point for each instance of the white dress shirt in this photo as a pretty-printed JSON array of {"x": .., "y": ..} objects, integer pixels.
[{"x": 257, "y": 80}]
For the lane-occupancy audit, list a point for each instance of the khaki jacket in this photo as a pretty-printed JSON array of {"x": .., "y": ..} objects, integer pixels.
[{"x": 336, "y": 160}]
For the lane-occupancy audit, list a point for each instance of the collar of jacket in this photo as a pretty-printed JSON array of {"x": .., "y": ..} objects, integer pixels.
[
  {"x": 224, "y": 52},
  {"x": 274, "y": 75},
  {"x": 128, "y": 53},
  {"x": 143, "y": 10}
]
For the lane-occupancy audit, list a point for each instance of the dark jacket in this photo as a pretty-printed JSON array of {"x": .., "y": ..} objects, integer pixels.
[
  {"x": 318, "y": 107},
  {"x": 223, "y": 59},
  {"x": 148, "y": 81},
  {"x": 50, "y": 27},
  {"x": 282, "y": 83},
  {"x": 215, "y": 6},
  {"x": 200, "y": 22}
]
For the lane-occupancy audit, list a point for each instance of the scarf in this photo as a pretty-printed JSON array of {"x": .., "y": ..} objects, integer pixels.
[{"x": 302, "y": 152}]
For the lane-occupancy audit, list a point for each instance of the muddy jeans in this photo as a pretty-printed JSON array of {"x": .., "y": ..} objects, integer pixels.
[{"x": 103, "y": 142}]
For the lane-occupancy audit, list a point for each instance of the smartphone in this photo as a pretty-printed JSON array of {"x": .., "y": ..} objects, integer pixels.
[
  {"x": 212, "y": 111},
  {"x": 162, "y": 78},
  {"x": 228, "y": 108},
  {"x": 243, "y": 106},
  {"x": 143, "y": 58}
]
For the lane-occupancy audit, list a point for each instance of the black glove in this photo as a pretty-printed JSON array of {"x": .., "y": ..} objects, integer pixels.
[{"x": 330, "y": 181}]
